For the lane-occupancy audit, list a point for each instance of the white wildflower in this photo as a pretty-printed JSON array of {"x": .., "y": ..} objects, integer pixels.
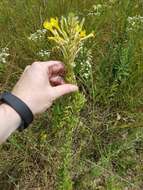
[
  {"x": 96, "y": 10},
  {"x": 84, "y": 62},
  {"x": 38, "y": 35},
  {"x": 4, "y": 53},
  {"x": 73, "y": 64},
  {"x": 44, "y": 53},
  {"x": 135, "y": 23}
]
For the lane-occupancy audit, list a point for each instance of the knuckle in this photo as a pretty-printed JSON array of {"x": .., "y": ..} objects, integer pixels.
[{"x": 36, "y": 65}]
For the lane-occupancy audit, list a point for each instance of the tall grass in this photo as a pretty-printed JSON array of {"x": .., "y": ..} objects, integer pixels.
[{"x": 107, "y": 144}]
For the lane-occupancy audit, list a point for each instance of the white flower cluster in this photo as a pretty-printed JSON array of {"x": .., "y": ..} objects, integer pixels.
[
  {"x": 83, "y": 63},
  {"x": 87, "y": 67},
  {"x": 135, "y": 23},
  {"x": 96, "y": 10},
  {"x": 38, "y": 35},
  {"x": 44, "y": 53},
  {"x": 4, "y": 53}
]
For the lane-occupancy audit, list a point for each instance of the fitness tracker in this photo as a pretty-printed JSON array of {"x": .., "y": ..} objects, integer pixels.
[{"x": 20, "y": 107}]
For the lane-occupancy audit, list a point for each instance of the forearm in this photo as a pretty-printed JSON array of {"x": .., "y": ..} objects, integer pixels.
[
  {"x": 9, "y": 122},
  {"x": 38, "y": 93}
]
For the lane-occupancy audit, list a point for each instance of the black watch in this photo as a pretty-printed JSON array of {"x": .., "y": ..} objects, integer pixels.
[{"x": 20, "y": 107}]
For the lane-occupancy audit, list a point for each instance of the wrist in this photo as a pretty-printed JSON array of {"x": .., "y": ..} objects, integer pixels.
[
  {"x": 27, "y": 100},
  {"x": 11, "y": 114},
  {"x": 9, "y": 121},
  {"x": 18, "y": 106}
]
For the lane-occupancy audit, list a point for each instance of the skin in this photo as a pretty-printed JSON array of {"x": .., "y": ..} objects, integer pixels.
[{"x": 39, "y": 86}]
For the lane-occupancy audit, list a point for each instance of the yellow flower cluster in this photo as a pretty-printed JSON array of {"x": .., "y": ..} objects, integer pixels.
[
  {"x": 68, "y": 34},
  {"x": 52, "y": 24},
  {"x": 57, "y": 28}
]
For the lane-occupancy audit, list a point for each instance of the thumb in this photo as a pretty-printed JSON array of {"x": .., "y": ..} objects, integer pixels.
[{"x": 64, "y": 89}]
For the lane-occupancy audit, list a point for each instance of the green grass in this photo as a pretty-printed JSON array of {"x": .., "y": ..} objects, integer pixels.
[{"x": 108, "y": 145}]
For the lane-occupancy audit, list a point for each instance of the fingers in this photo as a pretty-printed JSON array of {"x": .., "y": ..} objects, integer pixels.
[
  {"x": 47, "y": 64},
  {"x": 51, "y": 63},
  {"x": 56, "y": 69},
  {"x": 51, "y": 67},
  {"x": 64, "y": 89},
  {"x": 57, "y": 80}
]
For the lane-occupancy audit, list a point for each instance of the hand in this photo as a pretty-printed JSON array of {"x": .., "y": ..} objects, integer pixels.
[{"x": 41, "y": 84}]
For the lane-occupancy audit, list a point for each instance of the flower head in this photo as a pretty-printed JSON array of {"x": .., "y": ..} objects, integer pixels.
[
  {"x": 38, "y": 35},
  {"x": 4, "y": 53},
  {"x": 47, "y": 25},
  {"x": 54, "y": 23},
  {"x": 67, "y": 33},
  {"x": 83, "y": 33}
]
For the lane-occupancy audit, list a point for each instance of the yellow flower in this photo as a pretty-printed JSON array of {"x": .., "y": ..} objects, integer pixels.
[
  {"x": 82, "y": 34},
  {"x": 54, "y": 23},
  {"x": 78, "y": 28},
  {"x": 47, "y": 25}
]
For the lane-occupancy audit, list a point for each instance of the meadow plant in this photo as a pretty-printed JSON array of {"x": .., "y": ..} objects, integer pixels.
[
  {"x": 38, "y": 35},
  {"x": 135, "y": 23},
  {"x": 83, "y": 63},
  {"x": 44, "y": 54},
  {"x": 4, "y": 54},
  {"x": 91, "y": 139},
  {"x": 96, "y": 10},
  {"x": 68, "y": 35}
]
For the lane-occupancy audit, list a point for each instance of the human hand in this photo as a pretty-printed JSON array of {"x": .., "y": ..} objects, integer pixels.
[{"x": 40, "y": 84}]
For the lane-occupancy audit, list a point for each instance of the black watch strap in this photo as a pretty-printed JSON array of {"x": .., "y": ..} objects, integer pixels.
[{"x": 20, "y": 107}]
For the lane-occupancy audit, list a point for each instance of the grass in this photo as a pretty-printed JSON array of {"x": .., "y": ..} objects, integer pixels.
[{"x": 108, "y": 144}]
